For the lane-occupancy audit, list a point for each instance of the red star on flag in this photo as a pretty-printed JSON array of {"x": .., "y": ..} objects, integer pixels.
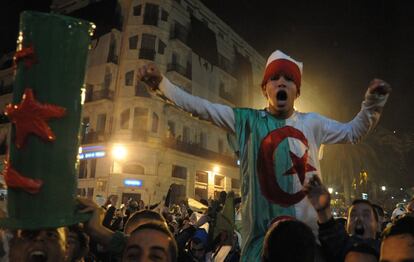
[
  {"x": 30, "y": 116},
  {"x": 14, "y": 180},
  {"x": 300, "y": 166}
]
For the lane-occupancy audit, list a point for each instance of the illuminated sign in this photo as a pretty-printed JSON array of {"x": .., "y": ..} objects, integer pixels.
[
  {"x": 89, "y": 155},
  {"x": 91, "y": 152},
  {"x": 133, "y": 182}
]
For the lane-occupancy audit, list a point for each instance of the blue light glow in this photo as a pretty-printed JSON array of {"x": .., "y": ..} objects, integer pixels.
[{"x": 133, "y": 182}]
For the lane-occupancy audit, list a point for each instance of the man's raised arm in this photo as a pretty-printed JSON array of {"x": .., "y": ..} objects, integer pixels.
[
  {"x": 333, "y": 132},
  {"x": 220, "y": 115}
]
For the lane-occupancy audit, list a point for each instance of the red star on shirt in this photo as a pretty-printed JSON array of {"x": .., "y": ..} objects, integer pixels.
[
  {"x": 300, "y": 166},
  {"x": 30, "y": 116}
]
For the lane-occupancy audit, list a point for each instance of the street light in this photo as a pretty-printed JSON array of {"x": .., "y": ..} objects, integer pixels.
[
  {"x": 119, "y": 152},
  {"x": 383, "y": 188},
  {"x": 330, "y": 190},
  {"x": 216, "y": 169}
]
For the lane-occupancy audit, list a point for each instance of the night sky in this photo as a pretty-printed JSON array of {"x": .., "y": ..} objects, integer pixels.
[{"x": 343, "y": 46}]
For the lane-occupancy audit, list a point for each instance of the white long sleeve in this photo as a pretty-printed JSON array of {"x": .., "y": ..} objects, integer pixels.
[
  {"x": 333, "y": 132},
  {"x": 220, "y": 115}
]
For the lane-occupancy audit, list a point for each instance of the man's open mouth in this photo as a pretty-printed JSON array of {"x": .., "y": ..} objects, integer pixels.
[
  {"x": 38, "y": 256},
  {"x": 281, "y": 95},
  {"x": 359, "y": 230}
]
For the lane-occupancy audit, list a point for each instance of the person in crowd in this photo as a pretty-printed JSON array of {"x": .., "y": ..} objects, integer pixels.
[
  {"x": 289, "y": 240},
  {"x": 410, "y": 207},
  {"x": 362, "y": 223},
  {"x": 78, "y": 244},
  {"x": 46, "y": 245},
  {"x": 141, "y": 217},
  {"x": 273, "y": 193},
  {"x": 398, "y": 242},
  {"x": 361, "y": 252},
  {"x": 150, "y": 241},
  {"x": 381, "y": 219}
]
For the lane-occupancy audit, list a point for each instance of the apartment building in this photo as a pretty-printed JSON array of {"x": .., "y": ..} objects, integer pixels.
[{"x": 134, "y": 145}]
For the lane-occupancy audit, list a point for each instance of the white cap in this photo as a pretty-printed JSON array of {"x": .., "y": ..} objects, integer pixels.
[{"x": 276, "y": 55}]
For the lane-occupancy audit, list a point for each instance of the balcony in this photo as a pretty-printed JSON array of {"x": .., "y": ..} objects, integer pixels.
[
  {"x": 98, "y": 95},
  {"x": 186, "y": 72},
  {"x": 93, "y": 137},
  {"x": 198, "y": 150},
  {"x": 180, "y": 33},
  {"x": 147, "y": 53}
]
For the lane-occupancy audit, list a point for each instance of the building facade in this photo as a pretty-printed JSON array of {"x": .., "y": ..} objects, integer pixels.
[{"x": 134, "y": 145}]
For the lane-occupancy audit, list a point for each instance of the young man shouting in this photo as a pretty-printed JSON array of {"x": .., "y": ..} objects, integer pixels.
[{"x": 278, "y": 146}]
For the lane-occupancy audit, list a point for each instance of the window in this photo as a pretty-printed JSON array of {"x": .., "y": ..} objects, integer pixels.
[
  {"x": 90, "y": 193},
  {"x": 100, "y": 125},
  {"x": 151, "y": 14},
  {"x": 203, "y": 139},
  {"x": 83, "y": 171},
  {"x": 170, "y": 129},
  {"x": 112, "y": 57},
  {"x": 125, "y": 119},
  {"x": 148, "y": 41},
  {"x": 129, "y": 78},
  {"x": 94, "y": 161},
  {"x": 147, "y": 47},
  {"x": 177, "y": 193},
  {"x": 200, "y": 192},
  {"x": 82, "y": 192},
  {"x": 201, "y": 177},
  {"x": 137, "y": 10},
  {"x": 175, "y": 58},
  {"x": 164, "y": 15},
  {"x": 219, "y": 181},
  {"x": 107, "y": 80},
  {"x": 235, "y": 183},
  {"x": 155, "y": 120},
  {"x": 186, "y": 134},
  {"x": 179, "y": 172},
  {"x": 84, "y": 129},
  {"x": 161, "y": 47},
  {"x": 220, "y": 146},
  {"x": 140, "y": 118},
  {"x": 133, "y": 169},
  {"x": 140, "y": 124},
  {"x": 133, "y": 42},
  {"x": 101, "y": 186}
]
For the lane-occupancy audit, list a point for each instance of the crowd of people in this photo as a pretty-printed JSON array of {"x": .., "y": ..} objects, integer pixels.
[{"x": 176, "y": 232}]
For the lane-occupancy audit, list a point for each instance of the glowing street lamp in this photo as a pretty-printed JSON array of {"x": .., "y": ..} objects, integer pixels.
[
  {"x": 216, "y": 169},
  {"x": 330, "y": 189},
  {"x": 383, "y": 188},
  {"x": 119, "y": 152}
]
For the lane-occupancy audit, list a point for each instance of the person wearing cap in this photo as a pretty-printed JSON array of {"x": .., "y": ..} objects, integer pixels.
[{"x": 277, "y": 146}]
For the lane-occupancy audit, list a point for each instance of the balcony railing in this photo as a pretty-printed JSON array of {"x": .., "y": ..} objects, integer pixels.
[
  {"x": 186, "y": 72},
  {"x": 98, "y": 95},
  {"x": 198, "y": 150},
  {"x": 146, "y": 53}
]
